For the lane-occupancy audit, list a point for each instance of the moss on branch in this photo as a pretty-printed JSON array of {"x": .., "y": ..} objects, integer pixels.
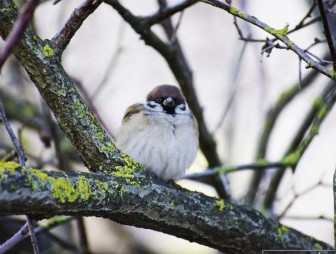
[
  {"x": 42, "y": 61},
  {"x": 145, "y": 202}
]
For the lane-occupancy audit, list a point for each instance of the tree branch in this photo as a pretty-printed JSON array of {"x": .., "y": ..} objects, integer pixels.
[
  {"x": 280, "y": 34},
  {"x": 272, "y": 117},
  {"x": 63, "y": 38},
  {"x": 143, "y": 201},
  {"x": 177, "y": 62},
  {"x": 327, "y": 32},
  {"x": 168, "y": 11},
  {"x": 74, "y": 117},
  {"x": 24, "y": 17}
]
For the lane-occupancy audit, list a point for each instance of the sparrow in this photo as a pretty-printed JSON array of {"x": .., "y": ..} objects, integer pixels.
[{"x": 160, "y": 133}]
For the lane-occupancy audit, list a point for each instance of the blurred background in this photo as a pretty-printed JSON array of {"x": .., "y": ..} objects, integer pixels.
[{"x": 236, "y": 84}]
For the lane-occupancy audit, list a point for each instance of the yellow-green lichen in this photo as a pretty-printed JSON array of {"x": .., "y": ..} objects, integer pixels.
[
  {"x": 322, "y": 112},
  {"x": 292, "y": 158},
  {"x": 332, "y": 74},
  {"x": 120, "y": 188},
  {"x": 83, "y": 187},
  {"x": 282, "y": 230},
  {"x": 318, "y": 246},
  {"x": 127, "y": 170},
  {"x": 63, "y": 189},
  {"x": 172, "y": 204},
  {"x": 122, "y": 191},
  {"x": 80, "y": 108},
  {"x": 101, "y": 186},
  {"x": 220, "y": 204},
  {"x": 9, "y": 166},
  {"x": 41, "y": 175},
  {"x": 311, "y": 64},
  {"x": 35, "y": 178},
  {"x": 48, "y": 51},
  {"x": 289, "y": 43},
  {"x": 236, "y": 12},
  {"x": 262, "y": 162},
  {"x": 282, "y": 31},
  {"x": 318, "y": 102}
]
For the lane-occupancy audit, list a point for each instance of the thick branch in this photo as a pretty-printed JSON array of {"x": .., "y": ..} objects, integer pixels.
[
  {"x": 44, "y": 67},
  {"x": 142, "y": 201}
]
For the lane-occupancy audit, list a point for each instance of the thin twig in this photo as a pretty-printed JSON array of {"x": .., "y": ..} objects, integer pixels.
[
  {"x": 63, "y": 38},
  {"x": 272, "y": 117},
  {"x": 173, "y": 37},
  {"x": 14, "y": 36},
  {"x": 17, "y": 237},
  {"x": 31, "y": 226},
  {"x": 308, "y": 15},
  {"x": 113, "y": 62},
  {"x": 22, "y": 158},
  {"x": 280, "y": 34},
  {"x": 15, "y": 141},
  {"x": 168, "y": 11},
  {"x": 233, "y": 87},
  {"x": 83, "y": 239},
  {"x": 318, "y": 112},
  {"x": 233, "y": 169}
]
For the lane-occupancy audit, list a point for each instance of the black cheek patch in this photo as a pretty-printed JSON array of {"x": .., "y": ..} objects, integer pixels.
[{"x": 151, "y": 105}]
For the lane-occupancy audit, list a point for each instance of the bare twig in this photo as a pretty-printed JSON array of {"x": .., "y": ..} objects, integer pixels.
[
  {"x": 113, "y": 62},
  {"x": 173, "y": 37},
  {"x": 83, "y": 240},
  {"x": 168, "y": 11},
  {"x": 317, "y": 114},
  {"x": 233, "y": 87},
  {"x": 23, "y": 19},
  {"x": 327, "y": 32},
  {"x": 308, "y": 15},
  {"x": 20, "y": 235},
  {"x": 231, "y": 169},
  {"x": 280, "y": 34},
  {"x": 321, "y": 61},
  {"x": 63, "y": 38},
  {"x": 22, "y": 158},
  {"x": 272, "y": 117},
  {"x": 15, "y": 141},
  {"x": 295, "y": 197}
]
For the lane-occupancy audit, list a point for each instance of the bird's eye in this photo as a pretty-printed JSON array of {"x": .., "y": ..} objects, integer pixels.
[
  {"x": 158, "y": 100},
  {"x": 183, "y": 108}
]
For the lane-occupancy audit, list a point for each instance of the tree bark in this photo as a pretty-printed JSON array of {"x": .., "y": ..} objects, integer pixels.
[
  {"x": 121, "y": 189},
  {"x": 140, "y": 200}
]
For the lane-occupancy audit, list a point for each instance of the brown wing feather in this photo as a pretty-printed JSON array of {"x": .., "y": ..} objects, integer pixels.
[{"x": 131, "y": 110}]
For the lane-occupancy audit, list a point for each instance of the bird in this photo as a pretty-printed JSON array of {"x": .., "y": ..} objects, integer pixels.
[{"x": 160, "y": 133}]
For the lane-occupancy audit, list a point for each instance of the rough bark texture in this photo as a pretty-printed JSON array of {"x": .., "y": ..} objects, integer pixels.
[
  {"x": 42, "y": 62},
  {"x": 122, "y": 190},
  {"x": 140, "y": 200}
]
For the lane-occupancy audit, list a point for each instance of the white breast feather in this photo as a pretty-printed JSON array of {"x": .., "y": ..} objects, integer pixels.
[{"x": 156, "y": 143}]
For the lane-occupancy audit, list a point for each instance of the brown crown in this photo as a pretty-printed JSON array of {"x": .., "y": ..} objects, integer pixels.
[{"x": 164, "y": 91}]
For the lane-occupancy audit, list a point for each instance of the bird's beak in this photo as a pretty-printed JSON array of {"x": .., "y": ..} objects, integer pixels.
[{"x": 169, "y": 102}]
